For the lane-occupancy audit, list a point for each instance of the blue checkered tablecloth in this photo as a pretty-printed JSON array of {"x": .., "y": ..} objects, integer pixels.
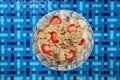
[{"x": 17, "y": 57}]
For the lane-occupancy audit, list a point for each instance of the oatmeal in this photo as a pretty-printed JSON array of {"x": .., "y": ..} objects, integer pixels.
[{"x": 60, "y": 38}]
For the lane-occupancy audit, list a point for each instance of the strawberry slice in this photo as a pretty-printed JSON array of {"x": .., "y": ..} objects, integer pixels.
[
  {"x": 46, "y": 48},
  {"x": 69, "y": 55},
  {"x": 72, "y": 28},
  {"x": 55, "y": 20},
  {"x": 53, "y": 37},
  {"x": 82, "y": 42}
]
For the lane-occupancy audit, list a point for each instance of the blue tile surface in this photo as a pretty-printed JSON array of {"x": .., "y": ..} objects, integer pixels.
[{"x": 17, "y": 57}]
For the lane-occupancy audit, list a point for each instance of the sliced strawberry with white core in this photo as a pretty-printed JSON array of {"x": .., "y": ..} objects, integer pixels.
[
  {"x": 72, "y": 28},
  {"x": 46, "y": 48},
  {"x": 55, "y": 20},
  {"x": 69, "y": 55}
]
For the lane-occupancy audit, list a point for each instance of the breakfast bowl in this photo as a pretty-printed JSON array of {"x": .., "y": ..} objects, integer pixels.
[{"x": 63, "y": 40}]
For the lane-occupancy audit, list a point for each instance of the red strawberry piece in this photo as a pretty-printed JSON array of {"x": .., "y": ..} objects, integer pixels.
[
  {"x": 72, "y": 28},
  {"x": 53, "y": 37},
  {"x": 55, "y": 20},
  {"x": 46, "y": 48},
  {"x": 82, "y": 42},
  {"x": 69, "y": 55}
]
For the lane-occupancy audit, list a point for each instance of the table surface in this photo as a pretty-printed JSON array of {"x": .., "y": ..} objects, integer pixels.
[{"x": 17, "y": 57}]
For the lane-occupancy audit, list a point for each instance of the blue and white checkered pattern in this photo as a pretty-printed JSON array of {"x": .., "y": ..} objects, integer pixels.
[{"x": 18, "y": 60}]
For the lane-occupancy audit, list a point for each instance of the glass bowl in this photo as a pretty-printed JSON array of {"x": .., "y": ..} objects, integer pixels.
[{"x": 85, "y": 53}]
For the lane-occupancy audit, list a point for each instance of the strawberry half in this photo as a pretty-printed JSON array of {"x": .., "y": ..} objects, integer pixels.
[
  {"x": 72, "y": 28},
  {"x": 82, "y": 42},
  {"x": 53, "y": 37},
  {"x": 55, "y": 20},
  {"x": 69, "y": 55},
  {"x": 46, "y": 49}
]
